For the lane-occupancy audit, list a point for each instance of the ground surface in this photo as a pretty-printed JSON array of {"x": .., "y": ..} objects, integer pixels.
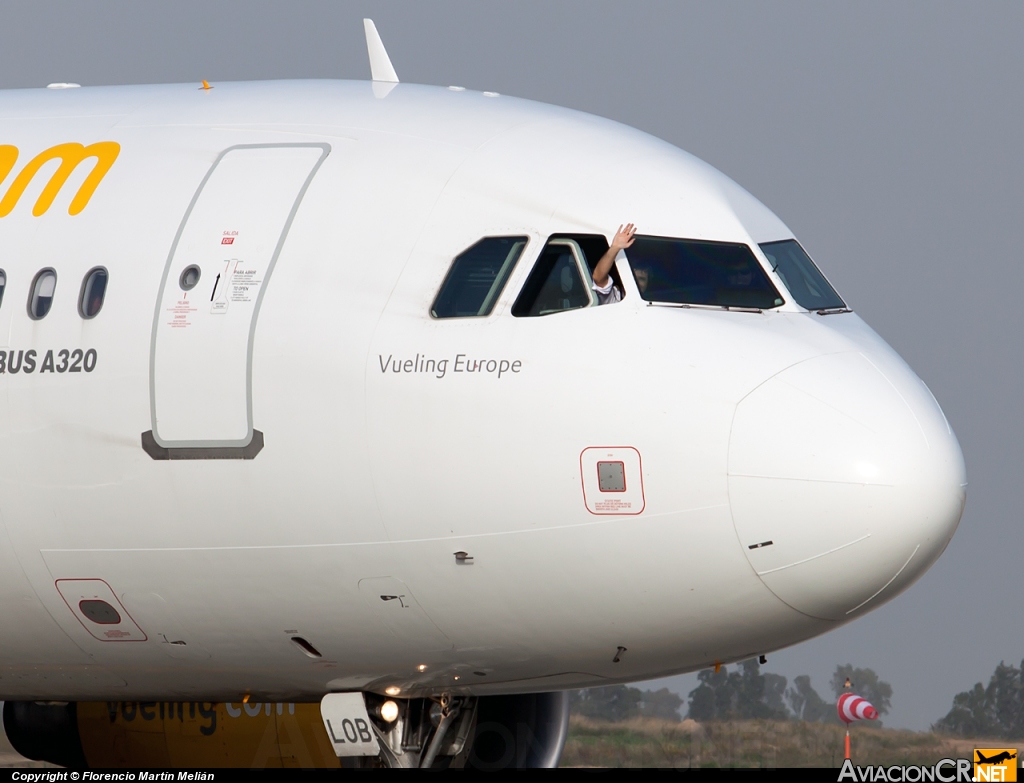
[{"x": 646, "y": 742}]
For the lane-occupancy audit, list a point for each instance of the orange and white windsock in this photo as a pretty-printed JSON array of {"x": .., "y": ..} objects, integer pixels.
[{"x": 853, "y": 708}]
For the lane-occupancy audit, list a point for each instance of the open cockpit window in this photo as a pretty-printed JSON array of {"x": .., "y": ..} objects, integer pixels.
[
  {"x": 698, "y": 272},
  {"x": 477, "y": 277},
  {"x": 594, "y": 246},
  {"x": 559, "y": 281},
  {"x": 805, "y": 282},
  {"x": 3, "y": 285},
  {"x": 41, "y": 294}
]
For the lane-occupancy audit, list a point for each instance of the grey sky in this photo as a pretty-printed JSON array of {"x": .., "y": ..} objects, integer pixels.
[{"x": 887, "y": 135}]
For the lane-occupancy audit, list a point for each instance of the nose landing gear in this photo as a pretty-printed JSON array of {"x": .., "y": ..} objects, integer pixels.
[{"x": 433, "y": 732}]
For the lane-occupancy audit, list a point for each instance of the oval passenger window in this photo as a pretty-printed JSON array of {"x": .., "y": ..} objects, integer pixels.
[
  {"x": 94, "y": 288},
  {"x": 3, "y": 285},
  {"x": 41, "y": 300}
]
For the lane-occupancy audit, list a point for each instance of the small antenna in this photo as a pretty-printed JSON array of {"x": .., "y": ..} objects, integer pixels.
[{"x": 381, "y": 69}]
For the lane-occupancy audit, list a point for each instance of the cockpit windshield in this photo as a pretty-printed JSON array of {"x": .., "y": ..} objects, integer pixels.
[
  {"x": 808, "y": 286},
  {"x": 698, "y": 272}
]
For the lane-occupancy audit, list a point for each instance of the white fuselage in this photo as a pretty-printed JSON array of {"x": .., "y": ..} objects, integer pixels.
[{"x": 787, "y": 426}]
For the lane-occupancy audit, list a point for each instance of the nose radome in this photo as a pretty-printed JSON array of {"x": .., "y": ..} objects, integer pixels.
[{"x": 845, "y": 480}]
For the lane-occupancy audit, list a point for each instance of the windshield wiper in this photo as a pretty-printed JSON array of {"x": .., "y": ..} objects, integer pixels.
[
  {"x": 727, "y": 308},
  {"x": 833, "y": 310}
]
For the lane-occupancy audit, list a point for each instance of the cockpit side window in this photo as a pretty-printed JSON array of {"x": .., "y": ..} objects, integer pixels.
[
  {"x": 3, "y": 285},
  {"x": 556, "y": 283},
  {"x": 477, "y": 277},
  {"x": 805, "y": 282},
  {"x": 593, "y": 247},
  {"x": 699, "y": 272}
]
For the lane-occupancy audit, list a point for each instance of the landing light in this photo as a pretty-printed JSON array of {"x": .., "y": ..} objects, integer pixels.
[
  {"x": 389, "y": 711},
  {"x": 392, "y": 690},
  {"x": 421, "y": 668}
]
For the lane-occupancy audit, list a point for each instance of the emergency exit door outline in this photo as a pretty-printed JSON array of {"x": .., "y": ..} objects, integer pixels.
[{"x": 201, "y": 400}]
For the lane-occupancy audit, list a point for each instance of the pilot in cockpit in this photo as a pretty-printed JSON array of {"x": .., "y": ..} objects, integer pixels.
[{"x": 603, "y": 285}]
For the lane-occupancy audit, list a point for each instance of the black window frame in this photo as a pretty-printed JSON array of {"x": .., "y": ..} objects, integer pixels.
[
  {"x": 593, "y": 247},
  {"x": 81, "y": 293},
  {"x": 841, "y": 307},
  {"x": 32, "y": 293},
  {"x": 757, "y": 264},
  {"x": 533, "y": 287},
  {"x": 500, "y": 280}
]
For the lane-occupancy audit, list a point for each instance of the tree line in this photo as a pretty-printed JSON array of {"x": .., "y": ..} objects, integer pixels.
[
  {"x": 743, "y": 693},
  {"x": 996, "y": 710}
]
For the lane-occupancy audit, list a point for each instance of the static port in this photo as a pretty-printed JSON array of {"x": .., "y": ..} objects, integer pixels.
[{"x": 100, "y": 612}]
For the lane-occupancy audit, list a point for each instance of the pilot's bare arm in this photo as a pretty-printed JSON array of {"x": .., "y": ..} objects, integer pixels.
[{"x": 623, "y": 238}]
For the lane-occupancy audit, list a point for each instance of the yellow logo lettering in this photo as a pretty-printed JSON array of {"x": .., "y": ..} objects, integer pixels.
[
  {"x": 71, "y": 156},
  {"x": 8, "y": 156}
]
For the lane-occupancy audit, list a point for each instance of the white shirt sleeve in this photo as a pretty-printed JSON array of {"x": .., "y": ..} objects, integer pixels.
[{"x": 608, "y": 293}]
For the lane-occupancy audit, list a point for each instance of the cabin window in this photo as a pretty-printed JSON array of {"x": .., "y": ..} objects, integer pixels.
[
  {"x": 94, "y": 289},
  {"x": 697, "y": 272},
  {"x": 556, "y": 283},
  {"x": 477, "y": 277},
  {"x": 805, "y": 282},
  {"x": 41, "y": 297},
  {"x": 3, "y": 285}
]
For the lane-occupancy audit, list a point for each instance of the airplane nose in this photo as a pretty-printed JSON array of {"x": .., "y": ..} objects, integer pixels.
[{"x": 846, "y": 482}]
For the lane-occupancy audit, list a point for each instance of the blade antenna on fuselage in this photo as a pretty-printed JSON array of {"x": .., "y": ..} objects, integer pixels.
[{"x": 381, "y": 69}]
